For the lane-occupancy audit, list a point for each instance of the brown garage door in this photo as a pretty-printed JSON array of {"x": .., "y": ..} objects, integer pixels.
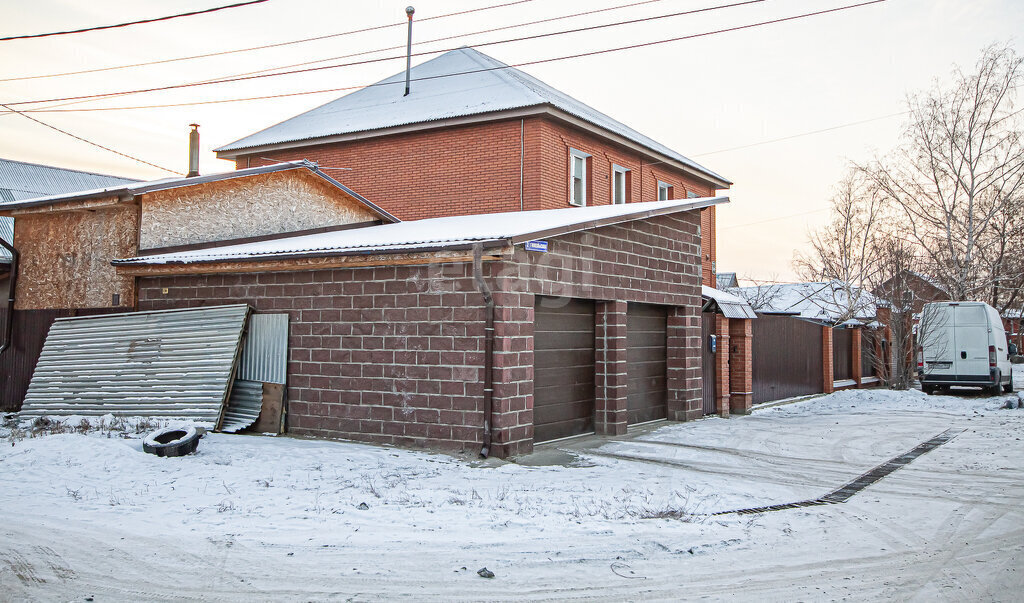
[
  {"x": 646, "y": 341},
  {"x": 563, "y": 368}
]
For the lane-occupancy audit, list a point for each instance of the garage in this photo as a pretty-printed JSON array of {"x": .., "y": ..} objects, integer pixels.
[
  {"x": 646, "y": 363},
  {"x": 563, "y": 357}
]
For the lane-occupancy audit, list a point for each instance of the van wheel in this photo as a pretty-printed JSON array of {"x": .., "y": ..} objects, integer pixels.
[
  {"x": 928, "y": 389},
  {"x": 1008, "y": 388},
  {"x": 996, "y": 389}
]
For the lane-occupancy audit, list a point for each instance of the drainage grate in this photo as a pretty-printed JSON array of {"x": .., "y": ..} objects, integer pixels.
[{"x": 844, "y": 493}]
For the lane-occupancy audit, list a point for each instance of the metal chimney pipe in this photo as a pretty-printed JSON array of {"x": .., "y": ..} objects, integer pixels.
[
  {"x": 193, "y": 151},
  {"x": 408, "y": 50}
]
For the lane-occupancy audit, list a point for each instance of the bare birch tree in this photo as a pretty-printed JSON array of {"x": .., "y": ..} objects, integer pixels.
[
  {"x": 958, "y": 175},
  {"x": 845, "y": 251}
]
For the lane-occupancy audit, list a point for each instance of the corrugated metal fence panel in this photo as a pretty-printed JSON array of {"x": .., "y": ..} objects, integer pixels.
[
  {"x": 842, "y": 353},
  {"x": 265, "y": 356},
  {"x": 244, "y": 405},
  {"x": 27, "y": 337},
  {"x": 787, "y": 358},
  {"x": 168, "y": 363}
]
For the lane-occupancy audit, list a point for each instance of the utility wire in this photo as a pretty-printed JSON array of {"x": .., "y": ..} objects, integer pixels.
[
  {"x": 446, "y": 75},
  {"x": 265, "y": 46},
  {"x": 802, "y": 134},
  {"x": 392, "y": 58},
  {"x": 95, "y": 144},
  {"x": 452, "y": 37},
  {"x": 140, "y": 22}
]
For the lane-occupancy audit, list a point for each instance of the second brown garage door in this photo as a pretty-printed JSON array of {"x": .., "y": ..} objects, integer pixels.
[
  {"x": 563, "y": 368},
  {"x": 646, "y": 367}
]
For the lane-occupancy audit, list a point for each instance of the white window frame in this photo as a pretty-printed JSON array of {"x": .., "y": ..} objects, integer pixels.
[
  {"x": 574, "y": 154},
  {"x": 664, "y": 186},
  {"x": 616, "y": 170}
]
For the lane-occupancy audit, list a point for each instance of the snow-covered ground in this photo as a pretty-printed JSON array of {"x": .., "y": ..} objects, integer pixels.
[{"x": 260, "y": 518}]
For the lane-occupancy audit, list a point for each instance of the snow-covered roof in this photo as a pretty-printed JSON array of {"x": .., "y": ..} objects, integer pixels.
[
  {"x": 434, "y": 233},
  {"x": 732, "y": 306},
  {"x": 149, "y": 186},
  {"x": 823, "y": 302},
  {"x": 459, "y": 83}
]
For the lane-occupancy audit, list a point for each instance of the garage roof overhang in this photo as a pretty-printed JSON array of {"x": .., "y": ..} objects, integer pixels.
[{"x": 423, "y": 241}]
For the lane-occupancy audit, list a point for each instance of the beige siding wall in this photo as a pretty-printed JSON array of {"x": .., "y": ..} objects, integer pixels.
[
  {"x": 64, "y": 258},
  {"x": 245, "y": 207}
]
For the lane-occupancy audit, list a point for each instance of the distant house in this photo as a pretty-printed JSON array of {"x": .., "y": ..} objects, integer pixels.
[
  {"x": 911, "y": 287},
  {"x": 727, "y": 280},
  {"x": 831, "y": 303}
]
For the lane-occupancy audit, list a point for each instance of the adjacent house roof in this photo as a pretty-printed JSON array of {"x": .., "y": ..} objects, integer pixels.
[
  {"x": 139, "y": 188},
  {"x": 731, "y": 306},
  {"x": 455, "y": 232},
  {"x": 822, "y": 302},
  {"x": 459, "y": 83},
  {"x": 20, "y": 180},
  {"x": 726, "y": 280}
]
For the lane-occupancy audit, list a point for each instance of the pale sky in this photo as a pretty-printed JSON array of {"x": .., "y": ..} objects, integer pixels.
[{"x": 702, "y": 97}]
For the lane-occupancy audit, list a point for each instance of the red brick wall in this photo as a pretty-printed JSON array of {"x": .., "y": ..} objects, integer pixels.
[
  {"x": 476, "y": 169},
  {"x": 395, "y": 354}
]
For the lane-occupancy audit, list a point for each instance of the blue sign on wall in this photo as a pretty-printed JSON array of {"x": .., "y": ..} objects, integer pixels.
[{"x": 541, "y": 246}]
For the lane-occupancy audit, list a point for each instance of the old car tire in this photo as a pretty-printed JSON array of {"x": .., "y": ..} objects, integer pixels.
[{"x": 172, "y": 441}]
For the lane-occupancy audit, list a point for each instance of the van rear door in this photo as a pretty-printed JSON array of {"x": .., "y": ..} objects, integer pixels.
[
  {"x": 935, "y": 336},
  {"x": 971, "y": 339}
]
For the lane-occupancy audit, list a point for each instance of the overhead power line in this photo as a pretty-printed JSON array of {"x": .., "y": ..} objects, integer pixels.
[
  {"x": 802, "y": 134},
  {"x": 95, "y": 144},
  {"x": 129, "y": 23},
  {"x": 263, "y": 47},
  {"x": 585, "y": 13},
  {"x": 229, "y": 79},
  {"x": 447, "y": 75}
]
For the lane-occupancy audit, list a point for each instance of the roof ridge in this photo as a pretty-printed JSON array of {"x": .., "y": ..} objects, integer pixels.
[{"x": 63, "y": 169}]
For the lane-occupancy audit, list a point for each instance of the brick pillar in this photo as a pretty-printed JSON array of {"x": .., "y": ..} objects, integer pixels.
[
  {"x": 512, "y": 432},
  {"x": 741, "y": 367},
  {"x": 610, "y": 405},
  {"x": 828, "y": 375},
  {"x": 722, "y": 365},
  {"x": 855, "y": 355},
  {"x": 684, "y": 354}
]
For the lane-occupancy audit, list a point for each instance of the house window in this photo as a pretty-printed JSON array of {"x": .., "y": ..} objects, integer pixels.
[
  {"x": 664, "y": 191},
  {"x": 578, "y": 177},
  {"x": 691, "y": 195},
  {"x": 620, "y": 185}
]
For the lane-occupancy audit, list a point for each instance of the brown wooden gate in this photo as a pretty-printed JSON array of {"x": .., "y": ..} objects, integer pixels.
[
  {"x": 867, "y": 353},
  {"x": 646, "y": 362},
  {"x": 842, "y": 354},
  {"x": 787, "y": 358},
  {"x": 563, "y": 368},
  {"x": 709, "y": 372}
]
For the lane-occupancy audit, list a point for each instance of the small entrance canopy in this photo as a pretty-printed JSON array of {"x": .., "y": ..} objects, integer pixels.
[{"x": 731, "y": 306}]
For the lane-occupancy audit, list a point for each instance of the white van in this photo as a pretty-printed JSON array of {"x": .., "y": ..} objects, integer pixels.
[{"x": 963, "y": 343}]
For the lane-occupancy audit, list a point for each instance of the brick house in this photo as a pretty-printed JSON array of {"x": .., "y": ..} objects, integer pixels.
[
  {"x": 477, "y": 136},
  {"x": 389, "y": 320}
]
